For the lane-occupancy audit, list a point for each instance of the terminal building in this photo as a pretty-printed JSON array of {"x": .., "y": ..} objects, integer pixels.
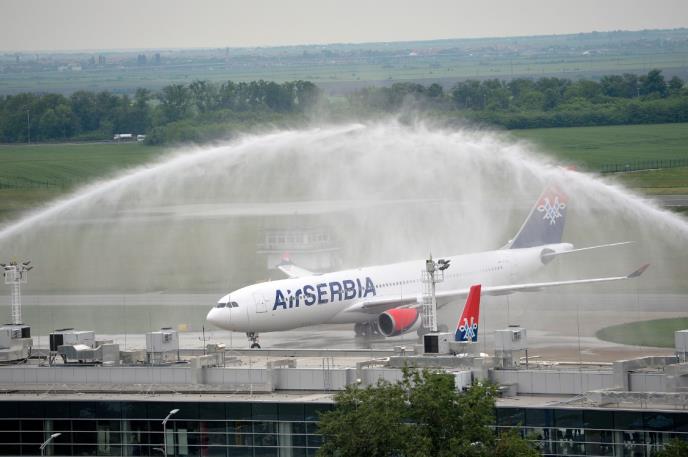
[{"x": 214, "y": 402}]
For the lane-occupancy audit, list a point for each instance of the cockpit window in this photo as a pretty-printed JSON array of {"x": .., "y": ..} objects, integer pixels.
[
  {"x": 221, "y": 305},
  {"x": 233, "y": 304}
]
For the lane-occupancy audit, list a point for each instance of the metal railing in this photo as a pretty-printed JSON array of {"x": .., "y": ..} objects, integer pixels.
[{"x": 638, "y": 165}]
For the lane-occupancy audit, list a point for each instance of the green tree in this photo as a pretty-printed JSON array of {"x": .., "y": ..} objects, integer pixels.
[
  {"x": 468, "y": 94},
  {"x": 653, "y": 83},
  {"x": 584, "y": 88},
  {"x": 277, "y": 97},
  {"x": 367, "y": 422},
  {"x": 435, "y": 91},
  {"x": 423, "y": 415},
  {"x": 175, "y": 102},
  {"x": 675, "y": 85},
  {"x": 675, "y": 448},
  {"x": 83, "y": 105},
  {"x": 204, "y": 95},
  {"x": 510, "y": 444},
  {"x": 227, "y": 95},
  {"x": 306, "y": 94},
  {"x": 141, "y": 111}
]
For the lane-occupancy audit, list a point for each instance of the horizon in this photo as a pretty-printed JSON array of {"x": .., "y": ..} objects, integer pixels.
[
  {"x": 350, "y": 43},
  {"x": 36, "y": 26}
]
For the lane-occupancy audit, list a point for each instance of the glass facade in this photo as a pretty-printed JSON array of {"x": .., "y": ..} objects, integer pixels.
[
  {"x": 595, "y": 432},
  {"x": 116, "y": 428},
  {"x": 288, "y": 429}
]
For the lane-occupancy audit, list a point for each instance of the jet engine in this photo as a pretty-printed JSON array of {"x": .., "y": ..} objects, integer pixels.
[{"x": 398, "y": 321}]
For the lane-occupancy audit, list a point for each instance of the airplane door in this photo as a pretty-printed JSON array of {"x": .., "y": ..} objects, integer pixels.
[{"x": 261, "y": 303}]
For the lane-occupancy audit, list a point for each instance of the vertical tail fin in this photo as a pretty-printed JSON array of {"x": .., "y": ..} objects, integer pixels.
[
  {"x": 467, "y": 328},
  {"x": 545, "y": 223}
]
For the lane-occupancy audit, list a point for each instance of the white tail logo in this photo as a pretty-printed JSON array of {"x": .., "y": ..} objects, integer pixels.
[{"x": 552, "y": 210}]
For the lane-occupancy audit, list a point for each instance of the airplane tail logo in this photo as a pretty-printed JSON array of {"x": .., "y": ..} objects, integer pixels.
[
  {"x": 545, "y": 223},
  {"x": 467, "y": 328}
]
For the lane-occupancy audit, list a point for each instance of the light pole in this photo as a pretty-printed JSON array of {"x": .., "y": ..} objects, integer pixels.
[
  {"x": 434, "y": 273},
  {"x": 15, "y": 274},
  {"x": 45, "y": 443},
  {"x": 164, "y": 428},
  {"x": 28, "y": 126}
]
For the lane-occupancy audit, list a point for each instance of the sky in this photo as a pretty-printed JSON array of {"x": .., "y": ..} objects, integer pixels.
[{"x": 54, "y": 25}]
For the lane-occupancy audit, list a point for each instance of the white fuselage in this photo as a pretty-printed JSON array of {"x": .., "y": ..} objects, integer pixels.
[{"x": 327, "y": 298}]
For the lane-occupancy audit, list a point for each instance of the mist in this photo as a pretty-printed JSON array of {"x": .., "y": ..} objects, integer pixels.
[{"x": 387, "y": 190}]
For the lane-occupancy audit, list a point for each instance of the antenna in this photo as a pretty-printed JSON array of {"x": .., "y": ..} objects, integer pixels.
[{"x": 15, "y": 274}]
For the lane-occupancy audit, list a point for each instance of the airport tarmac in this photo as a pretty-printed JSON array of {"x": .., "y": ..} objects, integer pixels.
[
  {"x": 543, "y": 345},
  {"x": 561, "y": 326}
]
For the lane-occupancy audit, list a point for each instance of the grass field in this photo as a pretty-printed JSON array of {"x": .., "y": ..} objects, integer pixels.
[
  {"x": 657, "y": 333},
  {"x": 33, "y": 174},
  {"x": 593, "y": 147},
  {"x": 70, "y": 162},
  {"x": 445, "y": 68},
  {"x": 670, "y": 181},
  {"x": 340, "y": 68}
]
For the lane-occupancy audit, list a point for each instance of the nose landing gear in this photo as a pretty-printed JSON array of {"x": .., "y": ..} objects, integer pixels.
[{"x": 253, "y": 338}]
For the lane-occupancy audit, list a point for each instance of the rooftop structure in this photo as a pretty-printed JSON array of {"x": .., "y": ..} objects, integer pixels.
[{"x": 241, "y": 402}]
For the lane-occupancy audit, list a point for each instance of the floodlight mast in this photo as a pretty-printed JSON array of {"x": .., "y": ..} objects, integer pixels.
[
  {"x": 434, "y": 273},
  {"x": 15, "y": 274}
]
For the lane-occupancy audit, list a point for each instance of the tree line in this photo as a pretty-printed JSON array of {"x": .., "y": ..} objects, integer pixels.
[
  {"x": 202, "y": 110},
  {"x": 87, "y": 115},
  {"x": 544, "y": 102}
]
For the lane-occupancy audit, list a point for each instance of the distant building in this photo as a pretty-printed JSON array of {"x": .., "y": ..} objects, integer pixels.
[
  {"x": 141, "y": 59},
  {"x": 101, "y": 60},
  {"x": 156, "y": 58},
  {"x": 313, "y": 248},
  {"x": 70, "y": 67}
]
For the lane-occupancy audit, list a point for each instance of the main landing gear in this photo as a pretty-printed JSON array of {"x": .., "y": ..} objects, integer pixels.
[
  {"x": 366, "y": 329},
  {"x": 253, "y": 338}
]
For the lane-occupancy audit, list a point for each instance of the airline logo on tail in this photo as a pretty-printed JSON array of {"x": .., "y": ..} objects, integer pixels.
[
  {"x": 467, "y": 328},
  {"x": 545, "y": 223},
  {"x": 551, "y": 209}
]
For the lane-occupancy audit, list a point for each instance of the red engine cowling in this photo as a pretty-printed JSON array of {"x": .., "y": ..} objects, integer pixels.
[{"x": 398, "y": 321}]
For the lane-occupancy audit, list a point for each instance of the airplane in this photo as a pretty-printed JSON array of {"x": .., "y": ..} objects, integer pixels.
[{"x": 386, "y": 299}]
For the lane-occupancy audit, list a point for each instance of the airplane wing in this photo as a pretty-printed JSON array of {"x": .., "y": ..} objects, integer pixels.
[
  {"x": 378, "y": 305},
  {"x": 292, "y": 271}
]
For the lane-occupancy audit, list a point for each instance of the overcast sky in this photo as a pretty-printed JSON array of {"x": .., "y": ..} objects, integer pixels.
[{"x": 128, "y": 24}]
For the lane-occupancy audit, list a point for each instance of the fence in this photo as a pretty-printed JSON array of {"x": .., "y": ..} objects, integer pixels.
[{"x": 643, "y": 165}]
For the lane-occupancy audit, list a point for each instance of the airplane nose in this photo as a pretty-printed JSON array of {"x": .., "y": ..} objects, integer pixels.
[{"x": 214, "y": 317}]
